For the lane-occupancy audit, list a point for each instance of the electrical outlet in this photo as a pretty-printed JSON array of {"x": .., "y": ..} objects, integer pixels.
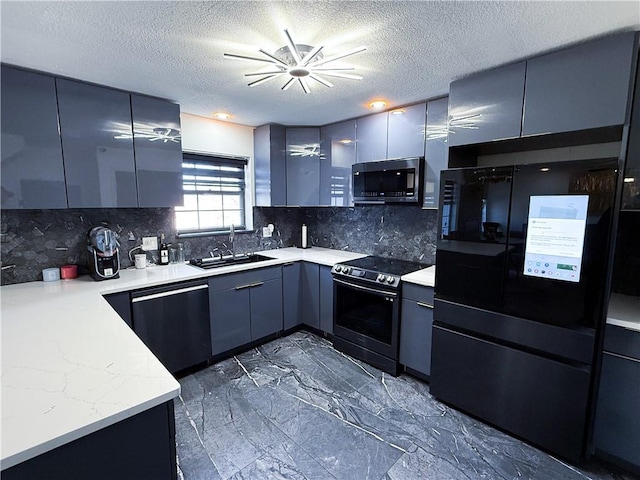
[
  {"x": 266, "y": 232},
  {"x": 149, "y": 243}
]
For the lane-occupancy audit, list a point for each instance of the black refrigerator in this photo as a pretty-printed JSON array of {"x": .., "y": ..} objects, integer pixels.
[{"x": 521, "y": 268}]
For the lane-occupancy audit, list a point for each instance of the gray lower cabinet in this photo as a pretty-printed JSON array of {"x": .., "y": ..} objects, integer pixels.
[
  {"x": 487, "y": 106},
  {"x": 617, "y": 425},
  {"x": 436, "y": 150},
  {"x": 303, "y": 166},
  {"x": 416, "y": 322},
  {"x": 32, "y": 168},
  {"x": 326, "y": 299},
  {"x": 97, "y": 142},
  {"x": 158, "y": 151},
  {"x": 338, "y": 154},
  {"x": 291, "y": 295},
  {"x": 142, "y": 447},
  {"x": 270, "y": 165},
  {"x": 578, "y": 88},
  {"x": 371, "y": 138},
  {"x": 244, "y": 306},
  {"x": 310, "y": 294},
  {"x": 406, "y": 131}
]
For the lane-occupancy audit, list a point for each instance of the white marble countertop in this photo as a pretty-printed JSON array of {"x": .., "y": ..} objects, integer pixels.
[
  {"x": 71, "y": 366},
  {"x": 624, "y": 311},
  {"x": 425, "y": 277}
]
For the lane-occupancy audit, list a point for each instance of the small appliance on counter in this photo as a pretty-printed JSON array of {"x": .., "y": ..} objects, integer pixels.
[{"x": 103, "y": 257}]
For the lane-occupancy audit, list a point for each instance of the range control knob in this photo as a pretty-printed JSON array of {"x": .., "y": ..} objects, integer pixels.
[
  {"x": 338, "y": 268},
  {"x": 391, "y": 280},
  {"x": 346, "y": 270},
  {"x": 381, "y": 278}
]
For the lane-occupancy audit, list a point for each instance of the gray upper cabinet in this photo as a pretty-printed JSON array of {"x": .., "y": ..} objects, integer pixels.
[
  {"x": 158, "y": 151},
  {"x": 371, "y": 138},
  {"x": 436, "y": 150},
  {"x": 97, "y": 141},
  {"x": 581, "y": 87},
  {"x": 32, "y": 168},
  {"x": 487, "y": 106},
  {"x": 270, "y": 167},
  {"x": 406, "y": 131},
  {"x": 303, "y": 166},
  {"x": 337, "y": 155}
]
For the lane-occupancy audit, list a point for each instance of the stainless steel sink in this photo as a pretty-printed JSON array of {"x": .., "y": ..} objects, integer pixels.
[{"x": 207, "y": 263}]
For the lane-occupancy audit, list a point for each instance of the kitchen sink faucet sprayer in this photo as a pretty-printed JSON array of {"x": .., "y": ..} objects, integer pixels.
[{"x": 232, "y": 237}]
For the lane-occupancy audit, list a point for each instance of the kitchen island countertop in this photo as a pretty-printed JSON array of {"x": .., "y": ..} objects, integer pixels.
[{"x": 71, "y": 366}]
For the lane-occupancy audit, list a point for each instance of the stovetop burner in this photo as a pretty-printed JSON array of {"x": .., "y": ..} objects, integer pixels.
[{"x": 379, "y": 270}]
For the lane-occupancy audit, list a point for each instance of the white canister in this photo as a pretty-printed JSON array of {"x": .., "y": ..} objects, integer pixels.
[
  {"x": 50, "y": 274},
  {"x": 141, "y": 260}
]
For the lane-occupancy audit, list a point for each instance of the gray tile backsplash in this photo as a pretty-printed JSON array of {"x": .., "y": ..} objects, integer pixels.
[{"x": 32, "y": 240}]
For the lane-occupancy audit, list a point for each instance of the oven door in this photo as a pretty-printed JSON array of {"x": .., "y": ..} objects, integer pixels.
[{"x": 366, "y": 316}]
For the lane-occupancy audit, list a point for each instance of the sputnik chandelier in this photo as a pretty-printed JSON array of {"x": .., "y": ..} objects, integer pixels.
[{"x": 298, "y": 62}]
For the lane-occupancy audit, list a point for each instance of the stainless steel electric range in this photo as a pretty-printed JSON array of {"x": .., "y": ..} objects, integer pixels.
[{"x": 366, "y": 309}]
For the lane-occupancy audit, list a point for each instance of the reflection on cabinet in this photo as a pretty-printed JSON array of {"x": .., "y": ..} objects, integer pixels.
[
  {"x": 617, "y": 424},
  {"x": 631, "y": 186},
  {"x": 270, "y": 167},
  {"x": 337, "y": 155},
  {"x": 406, "y": 131},
  {"x": 436, "y": 150},
  {"x": 578, "y": 88},
  {"x": 487, "y": 106},
  {"x": 158, "y": 151},
  {"x": 371, "y": 138},
  {"x": 303, "y": 166},
  {"x": 326, "y": 299},
  {"x": 415, "y": 328},
  {"x": 97, "y": 141},
  {"x": 32, "y": 168},
  {"x": 244, "y": 306}
]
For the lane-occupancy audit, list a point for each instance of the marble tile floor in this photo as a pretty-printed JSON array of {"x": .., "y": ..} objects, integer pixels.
[{"x": 295, "y": 408}]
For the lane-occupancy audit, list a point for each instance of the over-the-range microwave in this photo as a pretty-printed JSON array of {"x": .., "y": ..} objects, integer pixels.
[{"x": 388, "y": 181}]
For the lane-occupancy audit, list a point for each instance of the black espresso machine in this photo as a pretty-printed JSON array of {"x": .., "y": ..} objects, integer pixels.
[{"x": 103, "y": 257}]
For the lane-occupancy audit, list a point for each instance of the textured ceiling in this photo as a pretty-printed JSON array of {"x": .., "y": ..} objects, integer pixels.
[{"x": 174, "y": 49}]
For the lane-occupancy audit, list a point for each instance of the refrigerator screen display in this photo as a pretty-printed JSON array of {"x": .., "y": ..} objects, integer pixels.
[{"x": 555, "y": 236}]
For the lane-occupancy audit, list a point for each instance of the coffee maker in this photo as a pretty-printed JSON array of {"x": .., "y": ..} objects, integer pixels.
[{"x": 103, "y": 257}]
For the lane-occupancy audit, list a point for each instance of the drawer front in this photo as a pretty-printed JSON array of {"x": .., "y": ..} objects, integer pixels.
[
  {"x": 622, "y": 341},
  {"x": 244, "y": 279},
  {"x": 417, "y": 293}
]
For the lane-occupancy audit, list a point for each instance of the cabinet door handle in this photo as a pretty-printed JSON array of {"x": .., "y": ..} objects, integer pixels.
[
  {"x": 251, "y": 285},
  {"x": 425, "y": 305}
]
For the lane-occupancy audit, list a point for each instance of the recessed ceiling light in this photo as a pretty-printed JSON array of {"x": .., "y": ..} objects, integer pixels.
[
  {"x": 378, "y": 104},
  {"x": 398, "y": 111},
  {"x": 544, "y": 169},
  {"x": 222, "y": 116},
  {"x": 298, "y": 63},
  {"x": 346, "y": 141}
]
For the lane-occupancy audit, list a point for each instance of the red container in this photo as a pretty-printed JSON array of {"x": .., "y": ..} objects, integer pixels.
[{"x": 69, "y": 271}]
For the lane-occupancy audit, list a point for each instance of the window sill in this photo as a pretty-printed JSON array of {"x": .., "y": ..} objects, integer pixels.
[{"x": 210, "y": 234}]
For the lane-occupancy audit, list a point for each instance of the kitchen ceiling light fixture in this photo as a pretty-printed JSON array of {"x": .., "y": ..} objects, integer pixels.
[
  {"x": 378, "y": 104},
  {"x": 298, "y": 63},
  {"x": 222, "y": 116}
]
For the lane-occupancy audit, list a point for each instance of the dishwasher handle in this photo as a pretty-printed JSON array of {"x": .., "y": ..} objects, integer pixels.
[{"x": 146, "y": 295}]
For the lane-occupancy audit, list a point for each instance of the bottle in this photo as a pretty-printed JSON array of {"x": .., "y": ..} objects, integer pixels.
[{"x": 163, "y": 252}]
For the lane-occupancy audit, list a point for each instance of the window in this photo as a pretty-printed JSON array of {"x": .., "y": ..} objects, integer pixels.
[{"x": 214, "y": 194}]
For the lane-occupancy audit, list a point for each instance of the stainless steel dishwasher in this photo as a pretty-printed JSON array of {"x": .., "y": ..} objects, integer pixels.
[{"x": 173, "y": 321}]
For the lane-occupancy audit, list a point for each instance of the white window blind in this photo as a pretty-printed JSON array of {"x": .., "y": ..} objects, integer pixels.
[{"x": 214, "y": 194}]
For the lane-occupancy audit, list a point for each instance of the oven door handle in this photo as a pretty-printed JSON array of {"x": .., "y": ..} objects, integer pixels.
[{"x": 368, "y": 289}]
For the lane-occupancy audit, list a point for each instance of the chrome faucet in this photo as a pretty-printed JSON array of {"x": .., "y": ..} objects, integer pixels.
[{"x": 232, "y": 237}]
